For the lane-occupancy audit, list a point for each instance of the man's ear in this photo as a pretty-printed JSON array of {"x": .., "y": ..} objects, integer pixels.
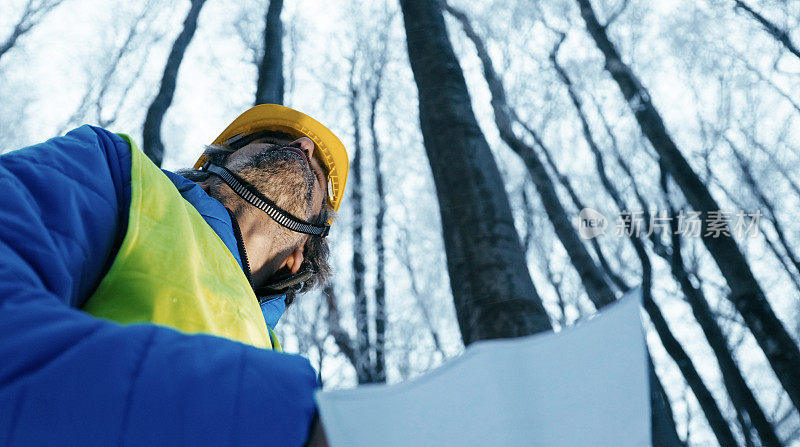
[{"x": 294, "y": 260}]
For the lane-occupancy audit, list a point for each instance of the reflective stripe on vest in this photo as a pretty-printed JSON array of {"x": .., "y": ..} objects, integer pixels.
[{"x": 172, "y": 269}]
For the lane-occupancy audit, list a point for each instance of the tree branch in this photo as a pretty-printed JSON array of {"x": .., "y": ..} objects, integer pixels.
[{"x": 774, "y": 30}]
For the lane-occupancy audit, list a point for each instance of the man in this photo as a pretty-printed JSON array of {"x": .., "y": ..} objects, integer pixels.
[{"x": 92, "y": 235}]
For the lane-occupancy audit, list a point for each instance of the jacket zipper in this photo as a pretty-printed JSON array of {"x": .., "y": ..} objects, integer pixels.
[{"x": 237, "y": 232}]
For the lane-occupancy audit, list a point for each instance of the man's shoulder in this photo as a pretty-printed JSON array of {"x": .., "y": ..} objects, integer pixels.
[
  {"x": 90, "y": 141},
  {"x": 79, "y": 153},
  {"x": 74, "y": 190},
  {"x": 86, "y": 141},
  {"x": 89, "y": 158}
]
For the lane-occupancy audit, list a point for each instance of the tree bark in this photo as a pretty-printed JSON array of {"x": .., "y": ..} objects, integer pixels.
[
  {"x": 746, "y": 294},
  {"x": 269, "y": 87},
  {"x": 152, "y": 145},
  {"x": 492, "y": 288}
]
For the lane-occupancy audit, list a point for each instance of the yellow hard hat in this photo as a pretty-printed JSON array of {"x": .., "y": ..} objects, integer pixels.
[{"x": 274, "y": 117}]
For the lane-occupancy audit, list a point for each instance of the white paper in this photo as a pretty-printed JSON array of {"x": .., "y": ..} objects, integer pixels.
[{"x": 585, "y": 386}]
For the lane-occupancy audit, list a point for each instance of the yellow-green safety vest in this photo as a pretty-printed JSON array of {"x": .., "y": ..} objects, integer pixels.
[{"x": 172, "y": 269}]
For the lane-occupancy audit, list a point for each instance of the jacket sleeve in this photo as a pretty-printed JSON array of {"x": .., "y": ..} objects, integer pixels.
[{"x": 67, "y": 378}]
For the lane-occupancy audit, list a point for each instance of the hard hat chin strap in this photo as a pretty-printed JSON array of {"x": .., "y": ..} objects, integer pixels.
[{"x": 250, "y": 194}]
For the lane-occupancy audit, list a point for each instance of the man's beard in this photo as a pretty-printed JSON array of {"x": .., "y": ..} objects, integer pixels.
[{"x": 283, "y": 177}]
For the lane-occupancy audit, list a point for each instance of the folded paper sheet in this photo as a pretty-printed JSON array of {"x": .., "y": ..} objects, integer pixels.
[{"x": 584, "y": 386}]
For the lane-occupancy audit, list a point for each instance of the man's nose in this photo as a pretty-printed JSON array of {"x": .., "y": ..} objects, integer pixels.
[{"x": 306, "y": 145}]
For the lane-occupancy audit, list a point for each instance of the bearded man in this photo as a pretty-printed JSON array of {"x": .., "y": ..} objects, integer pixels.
[{"x": 137, "y": 306}]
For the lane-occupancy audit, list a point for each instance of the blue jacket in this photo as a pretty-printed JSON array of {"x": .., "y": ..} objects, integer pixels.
[{"x": 67, "y": 378}]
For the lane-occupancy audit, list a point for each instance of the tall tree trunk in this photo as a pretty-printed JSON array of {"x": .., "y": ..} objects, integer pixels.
[
  {"x": 593, "y": 277},
  {"x": 269, "y": 89},
  {"x": 673, "y": 347},
  {"x": 661, "y": 422},
  {"x": 774, "y": 30},
  {"x": 705, "y": 399},
  {"x": 749, "y": 412},
  {"x": 492, "y": 288},
  {"x": 740, "y": 393},
  {"x": 152, "y": 145},
  {"x": 363, "y": 357},
  {"x": 380, "y": 265},
  {"x": 615, "y": 279},
  {"x": 746, "y": 294}
]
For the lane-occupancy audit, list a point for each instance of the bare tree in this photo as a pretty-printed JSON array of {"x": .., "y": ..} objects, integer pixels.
[
  {"x": 364, "y": 359},
  {"x": 32, "y": 14},
  {"x": 774, "y": 30},
  {"x": 374, "y": 92},
  {"x": 554, "y": 278},
  {"x": 306, "y": 320},
  {"x": 365, "y": 348},
  {"x": 99, "y": 103},
  {"x": 764, "y": 78},
  {"x": 755, "y": 189},
  {"x": 152, "y": 145},
  {"x": 592, "y": 276},
  {"x": 673, "y": 347},
  {"x": 492, "y": 289},
  {"x": 367, "y": 66},
  {"x": 405, "y": 259},
  {"x": 746, "y": 293},
  {"x": 774, "y": 162},
  {"x": 269, "y": 87},
  {"x": 748, "y": 410},
  {"x": 738, "y": 201}
]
